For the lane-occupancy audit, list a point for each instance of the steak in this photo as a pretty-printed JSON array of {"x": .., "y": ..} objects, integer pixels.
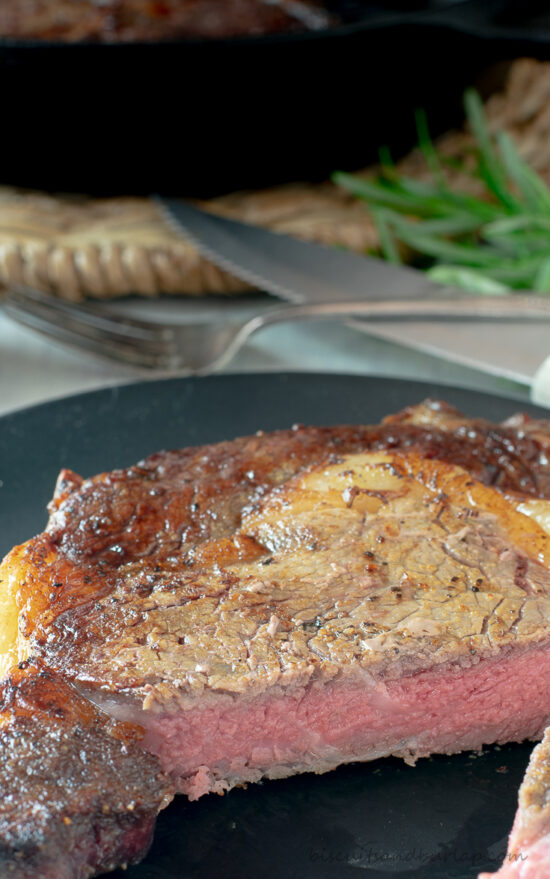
[
  {"x": 79, "y": 794},
  {"x": 153, "y": 20},
  {"x": 528, "y": 855},
  {"x": 277, "y": 604}
]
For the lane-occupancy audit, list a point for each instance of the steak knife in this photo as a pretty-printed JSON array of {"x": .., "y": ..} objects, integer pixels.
[{"x": 304, "y": 272}]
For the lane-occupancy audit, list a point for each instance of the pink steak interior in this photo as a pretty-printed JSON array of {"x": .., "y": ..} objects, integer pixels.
[{"x": 444, "y": 710}]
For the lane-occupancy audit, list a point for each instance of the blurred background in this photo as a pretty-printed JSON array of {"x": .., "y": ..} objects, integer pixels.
[{"x": 205, "y": 103}]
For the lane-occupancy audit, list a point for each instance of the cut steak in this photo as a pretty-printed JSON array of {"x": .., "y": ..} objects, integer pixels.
[
  {"x": 288, "y": 602},
  {"x": 376, "y": 604},
  {"x": 528, "y": 855},
  {"x": 79, "y": 795}
]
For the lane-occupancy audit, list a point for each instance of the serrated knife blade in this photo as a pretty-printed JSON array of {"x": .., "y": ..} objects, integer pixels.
[
  {"x": 298, "y": 271},
  {"x": 304, "y": 272}
]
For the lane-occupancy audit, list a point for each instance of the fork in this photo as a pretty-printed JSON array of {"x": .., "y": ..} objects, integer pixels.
[{"x": 204, "y": 346}]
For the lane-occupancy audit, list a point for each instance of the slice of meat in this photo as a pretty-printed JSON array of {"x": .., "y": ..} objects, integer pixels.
[
  {"x": 376, "y": 604},
  {"x": 79, "y": 794},
  {"x": 288, "y": 602},
  {"x": 528, "y": 855}
]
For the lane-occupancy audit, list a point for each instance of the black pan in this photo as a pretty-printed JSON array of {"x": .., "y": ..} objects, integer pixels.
[
  {"x": 446, "y": 818},
  {"x": 201, "y": 118}
]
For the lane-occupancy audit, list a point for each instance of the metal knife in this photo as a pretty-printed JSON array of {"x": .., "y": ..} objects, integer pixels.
[{"x": 303, "y": 272}]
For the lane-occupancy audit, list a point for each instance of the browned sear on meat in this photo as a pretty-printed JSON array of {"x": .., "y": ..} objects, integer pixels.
[{"x": 155, "y": 20}]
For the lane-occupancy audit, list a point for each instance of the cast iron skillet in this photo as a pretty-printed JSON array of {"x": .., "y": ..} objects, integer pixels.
[{"x": 200, "y": 118}]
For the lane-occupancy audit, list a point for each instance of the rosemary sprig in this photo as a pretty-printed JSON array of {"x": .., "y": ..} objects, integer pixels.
[{"x": 492, "y": 244}]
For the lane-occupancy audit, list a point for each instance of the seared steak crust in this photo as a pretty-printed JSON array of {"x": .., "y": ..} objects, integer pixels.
[
  {"x": 151, "y": 20},
  {"x": 179, "y": 498},
  {"x": 79, "y": 795},
  {"x": 158, "y": 546},
  {"x": 173, "y": 502},
  {"x": 315, "y": 576}
]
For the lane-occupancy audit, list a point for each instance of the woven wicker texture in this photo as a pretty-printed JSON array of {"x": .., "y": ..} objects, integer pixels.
[
  {"x": 105, "y": 248},
  {"x": 521, "y": 107},
  {"x": 78, "y": 248}
]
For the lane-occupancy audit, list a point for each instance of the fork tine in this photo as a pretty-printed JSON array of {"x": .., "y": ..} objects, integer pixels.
[
  {"x": 190, "y": 348},
  {"x": 105, "y": 347},
  {"x": 87, "y": 316},
  {"x": 154, "y": 350}
]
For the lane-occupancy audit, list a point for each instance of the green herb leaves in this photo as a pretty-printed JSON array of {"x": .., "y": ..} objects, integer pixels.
[{"x": 491, "y": 244}]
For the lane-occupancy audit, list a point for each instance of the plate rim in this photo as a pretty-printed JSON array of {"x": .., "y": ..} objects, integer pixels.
[{"x": 124, "y": 386}]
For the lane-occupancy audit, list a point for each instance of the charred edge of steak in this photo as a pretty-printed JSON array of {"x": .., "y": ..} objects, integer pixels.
[
  {"x": 168, "y": 500},
  {"x": 79, "y": 795}
]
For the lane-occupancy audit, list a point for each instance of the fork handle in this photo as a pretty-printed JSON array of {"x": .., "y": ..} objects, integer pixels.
[
  {"x": 509, "y": 307},
  {"x": 501, "y": 308}
]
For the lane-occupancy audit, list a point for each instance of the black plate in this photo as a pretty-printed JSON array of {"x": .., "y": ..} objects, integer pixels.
[{"x": 448, "y": 817}]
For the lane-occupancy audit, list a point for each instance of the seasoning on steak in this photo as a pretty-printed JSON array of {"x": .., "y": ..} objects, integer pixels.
[
  {"x": 79, "y": 794},
  {"x": 194, "y": 494},
  {"x": 155, "y": 20},
  {"x": 292, "y": 601}
]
